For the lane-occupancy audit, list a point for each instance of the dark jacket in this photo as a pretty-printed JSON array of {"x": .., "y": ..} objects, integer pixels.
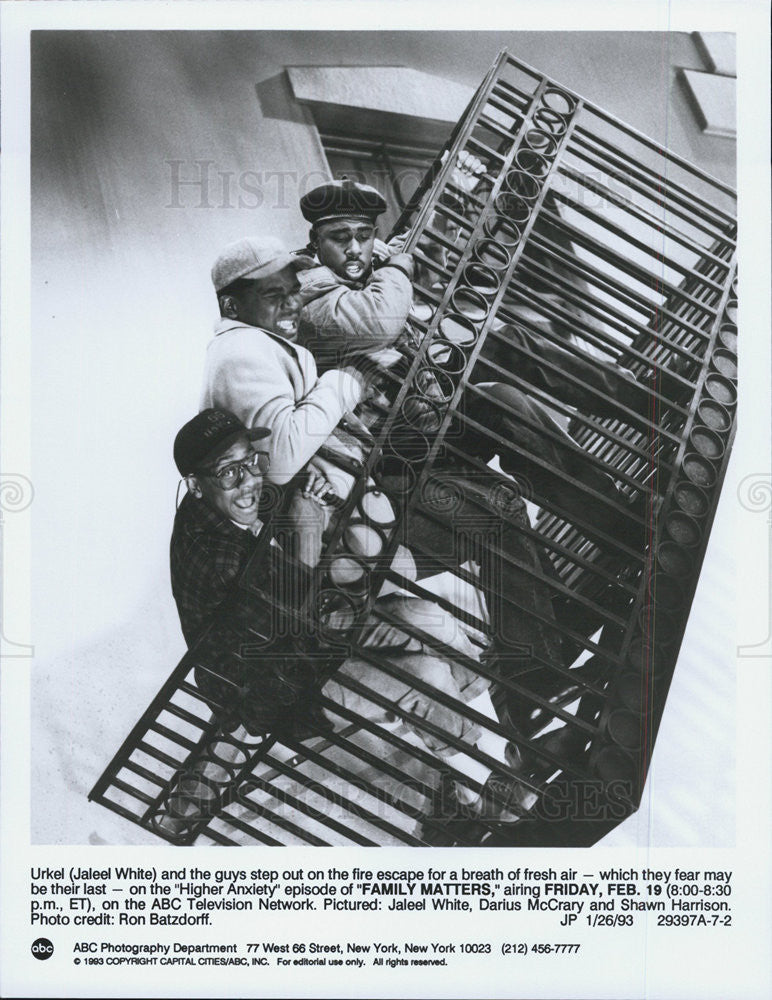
[{"x": 235, "y": 594}]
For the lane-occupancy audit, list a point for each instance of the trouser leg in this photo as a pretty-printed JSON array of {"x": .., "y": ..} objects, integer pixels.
[
  {"x": 545, "y": 464},
  {"x": 420, "y": 705},
  {"x": 600, "y": 386},
  {"x": 485, "y": 526}
]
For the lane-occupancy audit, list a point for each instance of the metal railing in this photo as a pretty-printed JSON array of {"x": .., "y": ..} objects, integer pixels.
[{"x": 549, "y": 451}]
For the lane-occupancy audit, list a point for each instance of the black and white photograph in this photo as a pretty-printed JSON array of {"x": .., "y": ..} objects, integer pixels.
[
  {"x": 382, "y": 485},
  {"x": 446, "y": 463}
]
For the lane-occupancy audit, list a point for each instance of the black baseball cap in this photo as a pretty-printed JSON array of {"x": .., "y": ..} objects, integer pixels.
[{"x": 207, "y": 435}]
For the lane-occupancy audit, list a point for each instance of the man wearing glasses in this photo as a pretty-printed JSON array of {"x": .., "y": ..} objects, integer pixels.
[
  {"x": 215, "y": 527},
  {"x": 216, "y": 531}
]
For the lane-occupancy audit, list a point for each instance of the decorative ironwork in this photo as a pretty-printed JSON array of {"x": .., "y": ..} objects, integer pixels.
[{"x": 553, "y": 439}]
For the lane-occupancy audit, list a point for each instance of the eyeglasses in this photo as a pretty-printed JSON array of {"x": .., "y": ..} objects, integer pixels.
[{"x": 231, "y": 475}]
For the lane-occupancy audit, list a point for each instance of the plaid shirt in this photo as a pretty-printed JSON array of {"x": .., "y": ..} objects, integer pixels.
[
  {"x": 208, "y": 554},
  {"x": 262, "y": 691}
]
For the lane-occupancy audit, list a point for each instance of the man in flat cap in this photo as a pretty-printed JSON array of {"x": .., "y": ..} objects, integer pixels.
[{"x": 254, "y": 366}]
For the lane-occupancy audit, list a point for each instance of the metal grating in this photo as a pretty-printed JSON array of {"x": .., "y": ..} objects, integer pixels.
[{"x": 550, "y": 449}]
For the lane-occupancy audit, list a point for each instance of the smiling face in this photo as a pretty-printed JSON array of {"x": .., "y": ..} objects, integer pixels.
[
  {"x": 240, "y": 503},
  {"x": 345, "y": 246},
  {"x": 272, "y": 303}
]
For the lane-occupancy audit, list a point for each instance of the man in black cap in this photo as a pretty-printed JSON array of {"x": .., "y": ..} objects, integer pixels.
[
  {"x": 351, "y": 309},
  {"x": 217, "y": 532},
  {"x": 217, "y": 522}
]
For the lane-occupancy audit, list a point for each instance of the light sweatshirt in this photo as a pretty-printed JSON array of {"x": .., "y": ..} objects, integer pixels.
[{"x": 267, "y": 381}]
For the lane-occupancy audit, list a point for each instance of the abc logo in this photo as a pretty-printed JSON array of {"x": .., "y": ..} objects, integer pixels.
[{"x": 42, "y": 949}]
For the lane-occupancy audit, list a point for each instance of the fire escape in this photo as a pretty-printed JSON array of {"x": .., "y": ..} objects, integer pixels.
[{"x": 575, "y": 315}]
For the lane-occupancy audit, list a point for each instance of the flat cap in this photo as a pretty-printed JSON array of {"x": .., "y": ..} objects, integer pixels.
[
  {"x": 254, "y": 257},
  {"x": 342, "y": 199}
]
